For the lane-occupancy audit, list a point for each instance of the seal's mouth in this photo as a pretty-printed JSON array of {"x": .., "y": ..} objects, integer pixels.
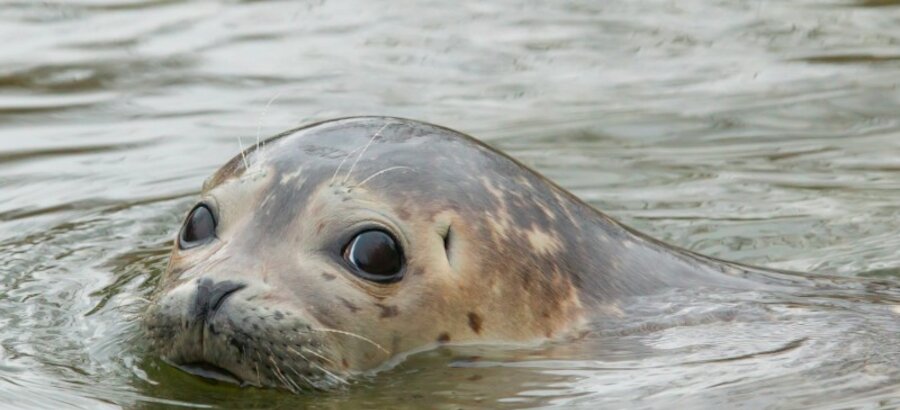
[
  {"x": 209, "y": 371},
  {"x": 242, "y": 344}
]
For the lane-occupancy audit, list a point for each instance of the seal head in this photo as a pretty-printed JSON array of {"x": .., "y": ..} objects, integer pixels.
[{"x": 332, "y": 248}]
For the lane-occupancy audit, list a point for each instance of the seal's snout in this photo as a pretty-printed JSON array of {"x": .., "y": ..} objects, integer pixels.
[{"x": 210, "y": 295}]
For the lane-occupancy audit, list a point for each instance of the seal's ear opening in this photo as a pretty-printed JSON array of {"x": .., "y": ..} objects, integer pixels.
[{"x": 448, "y": 245}]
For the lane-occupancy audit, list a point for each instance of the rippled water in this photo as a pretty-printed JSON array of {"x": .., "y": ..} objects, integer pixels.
[{"x": 766, "y": 132}]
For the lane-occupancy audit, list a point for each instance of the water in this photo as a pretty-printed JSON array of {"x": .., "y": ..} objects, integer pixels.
[{"x": 766, "y": 132}]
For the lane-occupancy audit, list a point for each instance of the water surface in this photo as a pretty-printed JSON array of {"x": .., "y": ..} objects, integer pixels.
[{"x": 766, "y": 132}]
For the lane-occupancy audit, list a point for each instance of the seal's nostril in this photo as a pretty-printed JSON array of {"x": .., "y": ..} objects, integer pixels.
[
  {"x": 221, "y": 291},
  {"x": 210, "y": 296}
]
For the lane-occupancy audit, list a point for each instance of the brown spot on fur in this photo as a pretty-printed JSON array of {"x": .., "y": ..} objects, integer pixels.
[
  {"x": 443, "y": 337},
  {"x": 388, "y": 310},
  {"x": 526, "y": 282},
  {"x": 344, "y": 363},
  {"x": 319, "y": 227},
  {"x": 475, "y": 322},
  {"x": 353, "y": 308},
  {"x": 328, "y": 276},
  {"x": 474, "y": 378}
]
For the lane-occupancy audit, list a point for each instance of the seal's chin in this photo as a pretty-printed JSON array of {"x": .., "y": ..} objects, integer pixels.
[
  {"x": 228, "y": 355},
  {"x": 202, "y": 354},
  {"x": 209, "y": 371}
]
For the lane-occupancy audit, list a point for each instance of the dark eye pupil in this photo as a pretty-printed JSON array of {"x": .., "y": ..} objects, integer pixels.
[
  {"x": 200, "y": 226},
  {"x": 375, "y": 253}
]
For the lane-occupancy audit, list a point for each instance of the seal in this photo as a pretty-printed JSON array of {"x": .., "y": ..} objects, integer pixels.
[{"x": 331, "y": 249}]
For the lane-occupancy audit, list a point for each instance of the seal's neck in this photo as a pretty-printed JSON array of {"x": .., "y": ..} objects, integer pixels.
[{"x": 623, "y": 261}]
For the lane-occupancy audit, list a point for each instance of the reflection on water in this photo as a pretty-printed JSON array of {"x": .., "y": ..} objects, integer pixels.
[{"x": 761, "y": 131}]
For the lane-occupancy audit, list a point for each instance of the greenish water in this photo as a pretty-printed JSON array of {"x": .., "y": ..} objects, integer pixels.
[{"x": 766, "y": 132}]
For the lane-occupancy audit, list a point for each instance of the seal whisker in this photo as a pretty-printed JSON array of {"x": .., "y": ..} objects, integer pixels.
[
  {"x": 317, "y": 355},
  {"x": 301, "y": 376},
  {"x": 281, "y": 377},
  {"x": 243, "y": 155},
  {"x": 278, "y": 374},
  {"x": 358, "y": 157},
  {"x": 245, "y": 356},
  {"x": 339, "y": 379},
  {"x": 256, "y": 364},
  {"x": 292, "y": 350},
  {"x": 285, "y": 381},
  {"x": 341, "y": 165},
  {"x": 351, "y": 334},
  {"x": 262, "y": 118},
  {"x": 317, "y": 366},
  {"x": 381, "y": 172}
]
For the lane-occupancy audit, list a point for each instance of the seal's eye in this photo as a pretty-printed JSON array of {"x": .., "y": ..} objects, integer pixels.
[
  {"x": 199, "y": 228},
  {"x": 375, "y": 255}
]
